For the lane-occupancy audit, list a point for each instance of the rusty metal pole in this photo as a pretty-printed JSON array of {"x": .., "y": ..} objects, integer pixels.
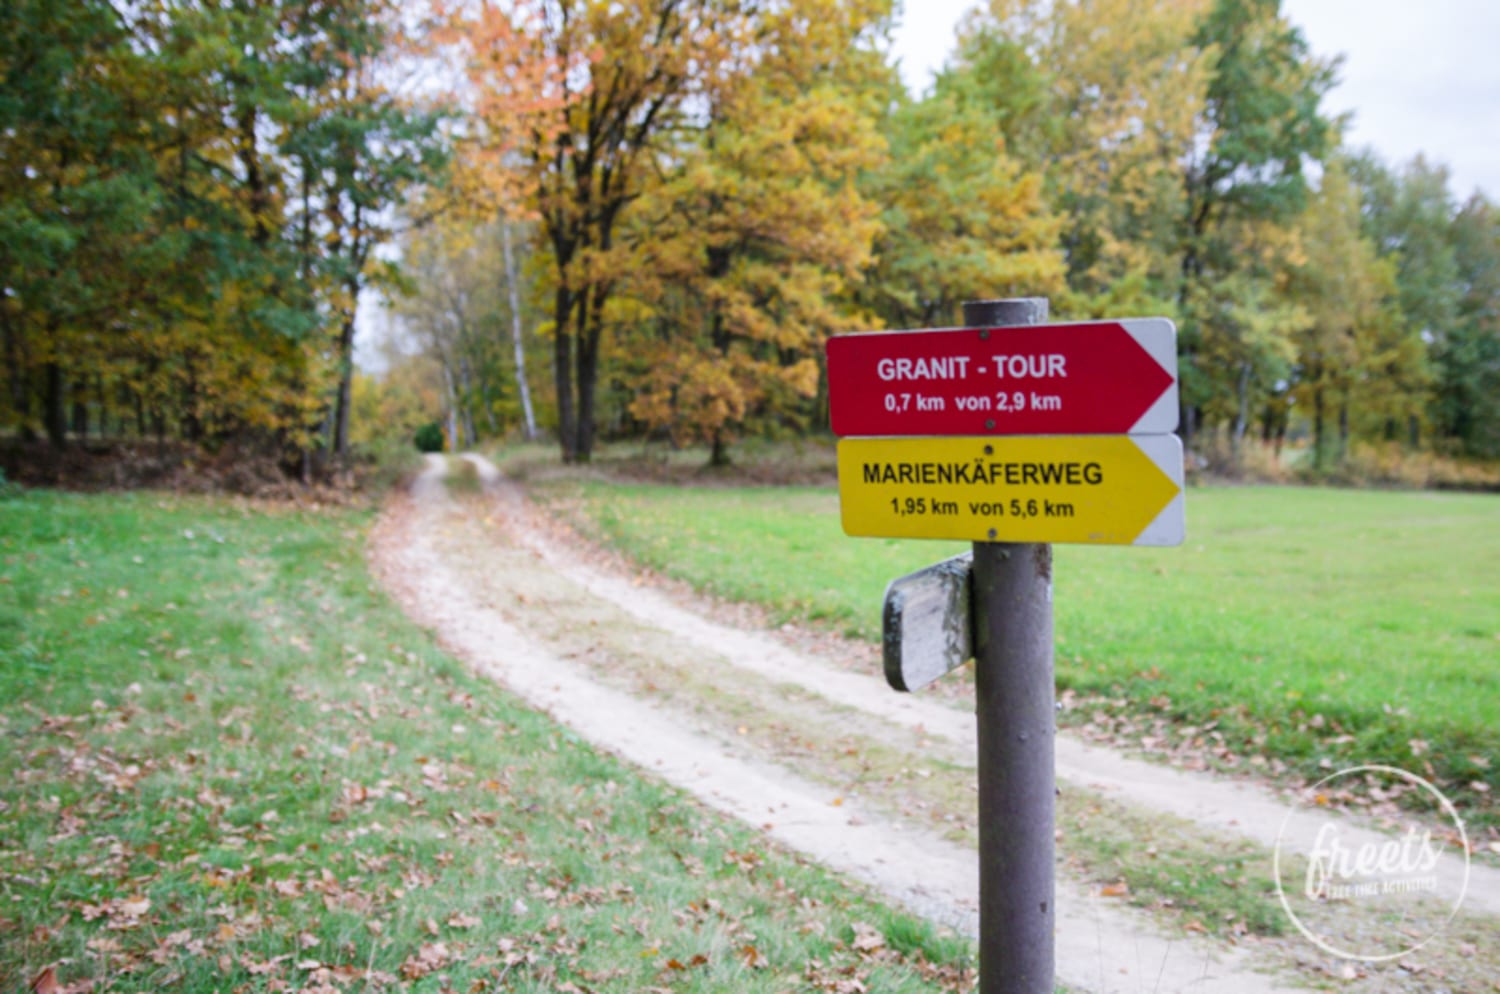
[{"x": 1012, "y": 619}]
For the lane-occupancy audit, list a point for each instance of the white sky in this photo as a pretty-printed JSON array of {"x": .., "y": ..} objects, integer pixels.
[{"x": 1418, "y": 77}]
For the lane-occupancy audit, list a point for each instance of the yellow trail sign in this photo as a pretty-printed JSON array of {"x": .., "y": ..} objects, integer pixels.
[{"x": 1106, "y": 489}]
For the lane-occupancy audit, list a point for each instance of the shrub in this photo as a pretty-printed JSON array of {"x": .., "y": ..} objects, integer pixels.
[{"x": 429, "y": 437}]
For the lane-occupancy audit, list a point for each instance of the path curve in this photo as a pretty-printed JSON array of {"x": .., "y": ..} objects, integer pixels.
[
  {"x": 1101, "y": 946},
  {"x": 1232, "y": 807}
]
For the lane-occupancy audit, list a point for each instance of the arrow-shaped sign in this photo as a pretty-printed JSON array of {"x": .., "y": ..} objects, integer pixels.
[
  {"x": 1095, "y": 377},
  {"x": 1105, "y": 489}
]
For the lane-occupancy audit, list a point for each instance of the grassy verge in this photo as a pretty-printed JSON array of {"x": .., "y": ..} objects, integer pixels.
[
  {"x": 229, "y": 763},
  {"x": 1297, "y": 631}
]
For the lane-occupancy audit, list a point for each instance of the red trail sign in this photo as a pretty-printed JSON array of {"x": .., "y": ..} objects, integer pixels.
[{"x": 1089, "y": 378}]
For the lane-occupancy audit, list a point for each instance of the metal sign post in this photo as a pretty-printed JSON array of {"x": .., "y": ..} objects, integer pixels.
[
  {"x": 1013, "y": 682},
  {"x": 1012, "y": 436}
]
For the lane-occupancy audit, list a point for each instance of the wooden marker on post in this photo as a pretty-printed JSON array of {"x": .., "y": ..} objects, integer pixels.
[{"x": 1015, "y": 706}]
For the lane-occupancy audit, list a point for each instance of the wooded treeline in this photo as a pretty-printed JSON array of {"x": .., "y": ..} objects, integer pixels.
[
  {"x": 662, "y": 209},
  {"x": 191, "y": 193}
]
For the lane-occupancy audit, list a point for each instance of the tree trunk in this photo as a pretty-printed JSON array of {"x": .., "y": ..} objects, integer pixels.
[
  {"x": 16, "y": 382},
  {"x": 487, "y": 405},
  {"x": 56, "y": 412},
  {"x": 1318, "y": 428},
  {"x": 191, "y": 427},
  {"x": 80, "y": 418},
  {"x": 455, "y": 439},
  {"x": 1187, "y": 423},
  {"x": 466, "y": 406},
  {"x": 345, "y": 359},
  {"x": 718, "y": 456},
  {"x": 1343, "y": 429},
  {"x": 1242, "y": 411},
  {"x": 1414, "y": 430},
  {"x": 104, "y": 406},
  {"x": 562, "y": 374},
  {"x": 515, "y": 333},
  {"x": 591, "y": 326}
]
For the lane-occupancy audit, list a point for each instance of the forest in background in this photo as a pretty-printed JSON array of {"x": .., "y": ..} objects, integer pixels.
[{"x": 597, "y": 221}]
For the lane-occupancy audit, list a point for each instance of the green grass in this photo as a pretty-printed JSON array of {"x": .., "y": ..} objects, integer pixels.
[
  {"x": 1313, "y": 627},
  {"x": 229, "y": 763}
]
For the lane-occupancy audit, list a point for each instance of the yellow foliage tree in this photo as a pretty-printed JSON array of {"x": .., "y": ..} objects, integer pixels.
[
  {"x": 962, "y": 219},
  {"x": 1116, "y": 93},
  {"x": 572, "y": 98},
  {"x": 748, "y": 250}
]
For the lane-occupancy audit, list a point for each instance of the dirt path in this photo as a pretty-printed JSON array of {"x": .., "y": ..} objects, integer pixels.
[{"x": 652, "y": 681}]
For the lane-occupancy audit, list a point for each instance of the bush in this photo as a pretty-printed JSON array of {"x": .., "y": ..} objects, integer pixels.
[{"x": 429, "y": 437}]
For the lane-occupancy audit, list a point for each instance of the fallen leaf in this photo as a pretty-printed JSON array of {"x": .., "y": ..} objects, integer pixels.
[
  {"x": 134, "y": 907},
  {"x": 45, "y": 982},
  {"x": 867, "y": 938},
  {"x": 432, "y": 956},
  {"x": 1121, "y": 889}
]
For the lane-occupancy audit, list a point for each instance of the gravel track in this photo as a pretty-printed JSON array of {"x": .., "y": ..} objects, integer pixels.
[{"x": 498, "y": 616}]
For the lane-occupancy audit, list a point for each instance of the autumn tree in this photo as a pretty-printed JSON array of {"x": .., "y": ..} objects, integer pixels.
[
  {"x": 1103, "y": 98},
  {"x": 1353, "y": 343},
  {"x": 1467, "y": 402},
  {"x": 1411, "y": 216},
  {"x": 455, "y": 303},
  {"x": 965, "y": 213},
  {"x": 75, "y": 195},
  {"x": 350, "y": 147},
  {"x": 175, "y": 239},
  {"x": 749, "y": 248},
  {"x": 582, "y": 92},
  {"x": 1257, "y": 317},
  {"x": 962, "y": 219},
  {"x": 1260, "y": 127}
]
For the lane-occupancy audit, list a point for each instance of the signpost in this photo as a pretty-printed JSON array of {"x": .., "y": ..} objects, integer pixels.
[
  {"x": 1097, "y": 377},
  {"x": 1044, "y": 433}
]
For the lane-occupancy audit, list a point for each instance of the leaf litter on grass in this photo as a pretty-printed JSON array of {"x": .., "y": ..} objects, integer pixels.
[{"x": 321, "y": 801}]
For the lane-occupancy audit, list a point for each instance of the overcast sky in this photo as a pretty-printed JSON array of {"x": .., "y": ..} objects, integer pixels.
[{"x": 1417, "y": 77}]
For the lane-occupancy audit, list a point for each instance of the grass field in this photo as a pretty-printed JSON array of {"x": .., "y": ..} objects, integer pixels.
[
  {"x": 228, "y": 763},
  {"x": 1311, "y": 628}
]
